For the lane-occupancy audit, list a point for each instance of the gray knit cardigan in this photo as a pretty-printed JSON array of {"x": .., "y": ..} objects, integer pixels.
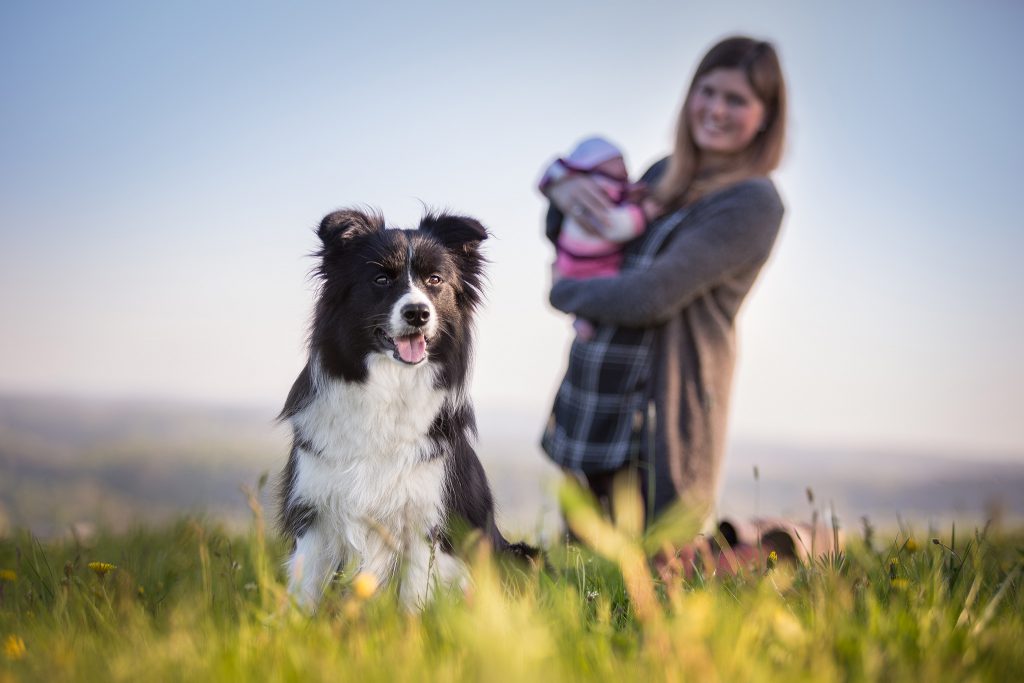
[{"x": 690, "y": 295}]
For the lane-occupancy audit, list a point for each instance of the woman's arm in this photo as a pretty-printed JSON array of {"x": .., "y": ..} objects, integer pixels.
[{"x": 734, "y": 231}]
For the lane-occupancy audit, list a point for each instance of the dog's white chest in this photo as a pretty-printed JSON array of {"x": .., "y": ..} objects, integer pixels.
[
  {"x": 366, "y": 459},
  {"x": 390, "y": 413}
]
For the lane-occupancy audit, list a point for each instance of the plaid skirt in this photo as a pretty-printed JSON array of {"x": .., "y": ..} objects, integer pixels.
[{"x": 599, "y": 409}]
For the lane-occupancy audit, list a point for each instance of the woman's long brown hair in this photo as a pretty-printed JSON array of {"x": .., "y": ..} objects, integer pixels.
[{"x": 681, "y": 183}]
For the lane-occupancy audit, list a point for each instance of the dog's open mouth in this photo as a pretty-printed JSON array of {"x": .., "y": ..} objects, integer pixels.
[{"x": 410, "y": 349}]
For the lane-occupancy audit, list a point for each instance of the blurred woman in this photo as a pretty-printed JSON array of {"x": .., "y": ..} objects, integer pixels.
[{"x": 648, "y": 393}]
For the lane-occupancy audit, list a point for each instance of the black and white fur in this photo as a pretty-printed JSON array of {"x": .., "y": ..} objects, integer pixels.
[{"x": 382, "y": 469}]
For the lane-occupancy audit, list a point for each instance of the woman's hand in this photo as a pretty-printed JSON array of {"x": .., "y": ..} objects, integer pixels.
[
  {"x": 583, "y": 199},
  {"x": 652, "y": 209}
]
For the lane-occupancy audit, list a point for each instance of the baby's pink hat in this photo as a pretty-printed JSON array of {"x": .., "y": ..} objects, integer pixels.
[{"x": 591, "y": 153}]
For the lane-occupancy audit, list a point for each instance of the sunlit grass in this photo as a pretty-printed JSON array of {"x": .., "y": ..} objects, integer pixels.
[{"x": 193, "y": 602}]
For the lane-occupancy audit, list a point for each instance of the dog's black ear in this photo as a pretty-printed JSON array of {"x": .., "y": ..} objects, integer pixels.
[
  {"x": 456, "y": 233},
  {"x": 461, "y": 236},
  {"x": 341, "y": 226}
]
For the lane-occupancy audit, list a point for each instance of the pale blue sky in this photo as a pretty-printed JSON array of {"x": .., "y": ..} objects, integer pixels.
[{"x": 162, "y": 166}]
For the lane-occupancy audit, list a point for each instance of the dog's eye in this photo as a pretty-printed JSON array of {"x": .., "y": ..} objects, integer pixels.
[
  {"x": 434, "y": 279},
  {"x": 382, "y": 280}
]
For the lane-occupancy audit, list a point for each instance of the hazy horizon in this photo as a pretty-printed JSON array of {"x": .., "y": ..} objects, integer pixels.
[
  {"x": 73, "y": 461},
  {"x": 507, "y": 424}
]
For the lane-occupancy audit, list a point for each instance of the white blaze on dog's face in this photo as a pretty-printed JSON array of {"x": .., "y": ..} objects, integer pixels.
[{"x": 413, "y": 321}]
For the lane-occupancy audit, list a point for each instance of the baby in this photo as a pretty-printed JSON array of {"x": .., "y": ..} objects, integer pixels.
[{"x": 579, "y": 252}]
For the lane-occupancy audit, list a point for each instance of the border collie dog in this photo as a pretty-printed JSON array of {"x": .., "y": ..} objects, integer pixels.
[{"x": 382, "y": 470}]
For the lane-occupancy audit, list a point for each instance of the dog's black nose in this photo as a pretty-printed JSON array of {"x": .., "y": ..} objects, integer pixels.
[{"x": 416, "y": 315}]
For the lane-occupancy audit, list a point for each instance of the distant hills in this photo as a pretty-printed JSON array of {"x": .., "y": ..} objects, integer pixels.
[
  {"x": 885, "y": 485},
  {"x": 72, "y": 461},
  {"x": 122, "y": 462}
]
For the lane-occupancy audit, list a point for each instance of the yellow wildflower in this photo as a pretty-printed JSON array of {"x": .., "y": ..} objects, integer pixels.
[
  {"x": 14, "y": 648},
  {"x": 101, "y": 568},
  {"x": 364, "y": 585},
  {"x": 8, "y": 575},
  {"x": 773, "y": 559},
  {"x": 900, "y": 583},
  {"x": 910, "y": 545}
]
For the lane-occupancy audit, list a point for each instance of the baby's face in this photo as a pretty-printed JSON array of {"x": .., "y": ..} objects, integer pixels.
[{"x": 614, "y": 168}]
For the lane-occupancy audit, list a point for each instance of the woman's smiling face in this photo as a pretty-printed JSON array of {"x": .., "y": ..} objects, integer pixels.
[{"x": 724, "y": 114}]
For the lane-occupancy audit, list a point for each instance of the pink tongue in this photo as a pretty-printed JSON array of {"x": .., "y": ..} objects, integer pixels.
[{"x": 412, "y": 348}]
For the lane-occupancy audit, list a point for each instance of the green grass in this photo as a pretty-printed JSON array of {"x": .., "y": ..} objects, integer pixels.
[{"x": 192, "y": 602}]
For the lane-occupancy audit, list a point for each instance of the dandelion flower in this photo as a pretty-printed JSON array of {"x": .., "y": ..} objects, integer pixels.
[
  {"x": 894, "y": 564},
  {"x": 14, "y": 648},
  {"x": 364, "y": 585},
  {"x": 8, "y": 575},
  {"x": 910, "y": 545},
  {"x": 773, "y": 559},
  {"x": 900, "y": 583},
  {"x": 101, "y": 568}
]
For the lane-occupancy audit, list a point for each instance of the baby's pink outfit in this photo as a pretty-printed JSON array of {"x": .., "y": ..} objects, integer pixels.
[{"x": 582, "y": 254}]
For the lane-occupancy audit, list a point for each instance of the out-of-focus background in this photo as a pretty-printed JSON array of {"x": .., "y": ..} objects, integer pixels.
[{"x": 162, "y": 166}]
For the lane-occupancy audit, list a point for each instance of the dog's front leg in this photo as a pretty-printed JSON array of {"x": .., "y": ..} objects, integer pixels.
[
  {"x": 418, "y": 580},
  {"x": 312, "y": 564},
  {"x": 379, "y": 552}
]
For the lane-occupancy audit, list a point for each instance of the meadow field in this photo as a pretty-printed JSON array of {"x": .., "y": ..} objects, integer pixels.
[{"x": 191, "y": 601}]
